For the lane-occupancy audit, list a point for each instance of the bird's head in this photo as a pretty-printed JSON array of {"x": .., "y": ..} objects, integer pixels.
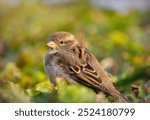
[{"x": 62, "y": 41}]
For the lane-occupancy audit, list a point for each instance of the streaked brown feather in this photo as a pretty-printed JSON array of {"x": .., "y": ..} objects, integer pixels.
[{"x": 83, "y": 72}]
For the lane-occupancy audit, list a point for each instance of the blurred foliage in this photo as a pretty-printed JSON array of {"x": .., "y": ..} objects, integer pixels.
[
  {"x": 120, "y": 41},
  {"x": 74, "y": 93}
]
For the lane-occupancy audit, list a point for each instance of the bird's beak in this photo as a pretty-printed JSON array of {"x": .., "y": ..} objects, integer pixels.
[{"x": 52, "y": 45}]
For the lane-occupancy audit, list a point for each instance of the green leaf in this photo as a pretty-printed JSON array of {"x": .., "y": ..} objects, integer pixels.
[
  {"x": 44, "y": 86},
  {"x": 74, "y": 93}
]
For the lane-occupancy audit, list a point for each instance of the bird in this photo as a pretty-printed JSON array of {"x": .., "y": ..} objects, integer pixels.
[{"x": 67, "y": 58}]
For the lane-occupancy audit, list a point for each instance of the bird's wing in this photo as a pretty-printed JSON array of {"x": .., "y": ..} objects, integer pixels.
[
  {"x": 78, "y": 65},
  {"x": 85, "y": 69}
]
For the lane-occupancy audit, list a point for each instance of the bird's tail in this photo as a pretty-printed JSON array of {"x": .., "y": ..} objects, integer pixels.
[{"x": 120, "y": 98}]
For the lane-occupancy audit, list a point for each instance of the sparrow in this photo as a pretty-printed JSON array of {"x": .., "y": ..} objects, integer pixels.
[{"x": 67, "y": 58}]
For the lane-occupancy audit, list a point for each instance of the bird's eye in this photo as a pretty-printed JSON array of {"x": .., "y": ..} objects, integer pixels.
[{"x": 61, "y": 42}]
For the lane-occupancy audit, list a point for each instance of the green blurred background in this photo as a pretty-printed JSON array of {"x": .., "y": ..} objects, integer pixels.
[{"x": 120, "y": 39}]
